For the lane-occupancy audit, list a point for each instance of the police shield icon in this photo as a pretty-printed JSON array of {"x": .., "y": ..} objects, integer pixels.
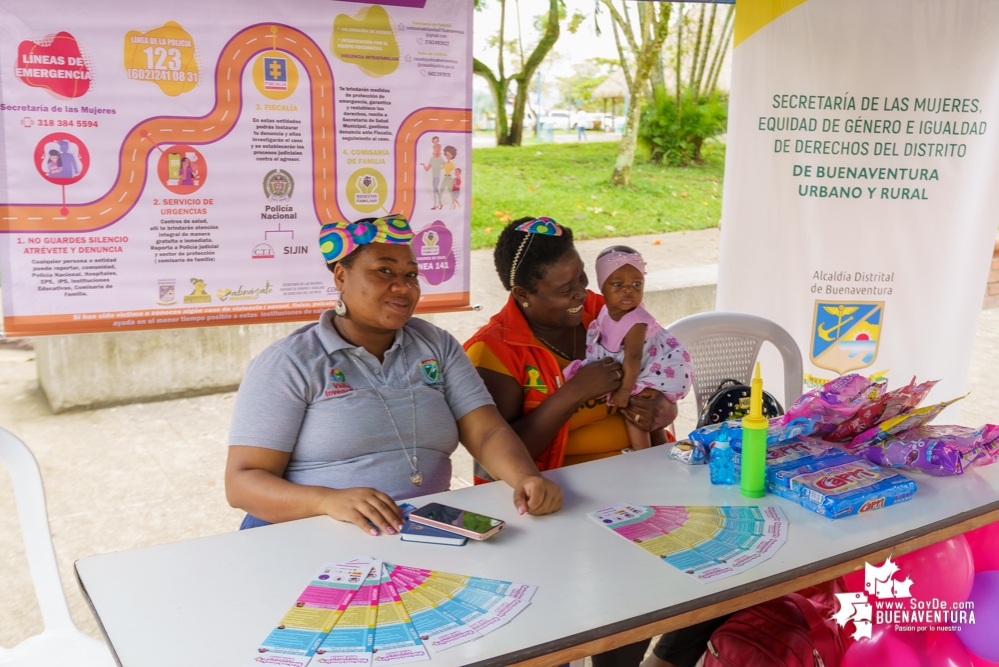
[{"x": 845, "y": 336}]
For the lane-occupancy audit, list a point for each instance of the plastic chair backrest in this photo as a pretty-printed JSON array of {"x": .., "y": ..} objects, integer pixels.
[
  {"x": 725, "y": 346},
  {"x": 30, "y": 496}
]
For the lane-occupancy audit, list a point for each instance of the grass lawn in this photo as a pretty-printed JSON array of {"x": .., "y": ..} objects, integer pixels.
[{"x": 571, "y": 183}]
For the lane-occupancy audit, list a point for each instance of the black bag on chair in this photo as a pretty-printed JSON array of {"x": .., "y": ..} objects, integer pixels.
[{"x": 731, "y": 401}]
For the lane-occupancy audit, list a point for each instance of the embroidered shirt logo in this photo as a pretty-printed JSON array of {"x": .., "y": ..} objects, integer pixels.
[
  {"x": 534, "y": 380},
  {"x": 337, "y": 384},
  {"x": 431, "y": 371}
]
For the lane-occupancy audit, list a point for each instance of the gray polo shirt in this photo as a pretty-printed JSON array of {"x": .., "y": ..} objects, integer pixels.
[{"x": 311, "y": 394}]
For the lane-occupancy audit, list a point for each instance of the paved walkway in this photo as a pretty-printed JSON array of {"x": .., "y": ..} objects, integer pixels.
[{"x": 145, "y": 474}]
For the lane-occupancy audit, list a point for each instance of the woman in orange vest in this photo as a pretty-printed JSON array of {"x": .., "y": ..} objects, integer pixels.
[{"x": 521, "y": 353}]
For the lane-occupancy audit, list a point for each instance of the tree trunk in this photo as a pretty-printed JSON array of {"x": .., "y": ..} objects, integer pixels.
[
  {"x": 653, "y": 35},
  {"x": 512, "y": 133},
  {"x": 498, "y": 87},
  {"x": 706, "y": 50},
  {"x": 719, "y": 53},
  {"x": 629, "y": 140},
  {"x": 679, "y": 55},
  {"x": 502, "y": 127},
  {"x": 697, "y": 48},
  {"x": 516, "y": 133},
  {"x": 625, "y": 69}
]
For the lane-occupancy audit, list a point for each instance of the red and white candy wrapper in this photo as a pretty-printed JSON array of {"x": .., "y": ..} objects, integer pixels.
[
  {"x": 900, "y": 424},
  {"x": 895, "y": 402}
]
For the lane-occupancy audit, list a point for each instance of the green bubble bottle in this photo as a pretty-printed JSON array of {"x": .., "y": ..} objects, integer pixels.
[{"x": 754, "y": 442}]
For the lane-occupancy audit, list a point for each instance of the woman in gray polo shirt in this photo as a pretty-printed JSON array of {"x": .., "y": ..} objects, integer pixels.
[{"x": 363, "y": 408}]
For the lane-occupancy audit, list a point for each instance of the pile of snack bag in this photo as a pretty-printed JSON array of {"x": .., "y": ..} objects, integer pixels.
[{"x": 835, "y": 449}]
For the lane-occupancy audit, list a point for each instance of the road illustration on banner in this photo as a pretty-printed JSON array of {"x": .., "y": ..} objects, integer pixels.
[{"x": 173, "y": 137}]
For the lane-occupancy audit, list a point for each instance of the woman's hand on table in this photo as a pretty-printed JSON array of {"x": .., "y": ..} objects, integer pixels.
[
  {"x": 536, "y": 495},
  {"x": 363, "y": 507},
  {"x": 596, "y": 379},
  {"x": 491, "y": 441},
  {"x": 650, "y": 410}
]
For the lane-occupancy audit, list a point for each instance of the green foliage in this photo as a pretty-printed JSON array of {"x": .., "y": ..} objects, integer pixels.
[
  {"x": 575, "y": 22},
  {"x": 680, "y": 143},
  {"x": 541, "y": 20},
  {"x": 576, "y": 90},
  {"x": 569, "y": 183}
]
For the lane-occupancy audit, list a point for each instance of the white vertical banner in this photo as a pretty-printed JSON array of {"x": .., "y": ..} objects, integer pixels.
[{"x": 862, "y": 181}]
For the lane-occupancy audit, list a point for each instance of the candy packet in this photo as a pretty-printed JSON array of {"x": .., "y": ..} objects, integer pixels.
[
  {"x": 900, "y": 424},
  {"x": 890, "y": 405},
  {"x": 777, "y": 431},
  {"x": 938, "y": 450},
  {"x": 841, "y": 484},
  {"x": 689, "y": 452},
  {"x": 797, "y": 449},
  {"x": 835, "y": 402}
]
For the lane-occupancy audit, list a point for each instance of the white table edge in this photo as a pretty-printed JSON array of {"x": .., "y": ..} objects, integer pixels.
[{"x": 561, "y": 649}]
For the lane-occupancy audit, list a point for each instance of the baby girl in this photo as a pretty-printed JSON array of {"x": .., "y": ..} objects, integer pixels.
[{"x": 650, "y": 357}]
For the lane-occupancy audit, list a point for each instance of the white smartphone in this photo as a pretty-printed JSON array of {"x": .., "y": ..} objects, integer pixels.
[{"x": 461, "y": 522}]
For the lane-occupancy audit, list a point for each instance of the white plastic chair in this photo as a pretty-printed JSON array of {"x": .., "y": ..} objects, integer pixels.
[
  {"x": 61, "y": 642},
  {"x": 725, "y": 346}
]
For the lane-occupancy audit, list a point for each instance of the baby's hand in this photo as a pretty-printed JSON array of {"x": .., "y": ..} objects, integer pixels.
[{"x": 620, "y": 398}]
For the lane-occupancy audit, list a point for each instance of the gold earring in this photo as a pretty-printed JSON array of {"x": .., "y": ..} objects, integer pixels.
[{"x": 524, "y": 304}]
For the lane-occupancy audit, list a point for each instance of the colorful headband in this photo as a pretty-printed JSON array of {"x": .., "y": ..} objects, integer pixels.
[
  {"x": 542, "y": 226},
  {"x": 612, "y": 261},
  {"x": 339, "y": 239}
]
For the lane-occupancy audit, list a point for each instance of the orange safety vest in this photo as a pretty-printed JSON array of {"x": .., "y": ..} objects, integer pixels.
[{"x": 508, "y": 336}]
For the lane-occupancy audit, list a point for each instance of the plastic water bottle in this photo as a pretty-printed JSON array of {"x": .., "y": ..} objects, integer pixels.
[{"x": 722, "y": 462}]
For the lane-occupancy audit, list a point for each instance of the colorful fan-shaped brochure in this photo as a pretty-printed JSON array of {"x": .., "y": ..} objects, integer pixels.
[
  {"x": 365, "y": 612},
  {"x": 707, "y": 543}
]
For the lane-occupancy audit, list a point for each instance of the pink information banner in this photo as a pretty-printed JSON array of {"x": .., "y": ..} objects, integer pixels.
[{"x": 175, "y": 173}]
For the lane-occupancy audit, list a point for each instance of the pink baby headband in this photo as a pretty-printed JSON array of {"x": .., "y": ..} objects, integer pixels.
[{"x": 612, "y": 261}]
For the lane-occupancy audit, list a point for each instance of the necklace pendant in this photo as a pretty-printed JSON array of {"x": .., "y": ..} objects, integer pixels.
[{"x": 416, "y": 478}]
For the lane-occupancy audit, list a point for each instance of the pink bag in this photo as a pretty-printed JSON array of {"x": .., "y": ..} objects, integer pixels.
[{"x": 795, "y": 630}]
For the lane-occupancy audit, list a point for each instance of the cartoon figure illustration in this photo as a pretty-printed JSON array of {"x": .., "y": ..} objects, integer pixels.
[
  {"x": 187, "y": 172},
  {"x": 60, "y": 160},
  {"x": 456, "y": 189},
  {"x": 70, "y": 166},
  {"x": 53, "y": 167},
  {"x": 450, "y": 152},
  {"x": 199, "y": 287},
  {"x": 436, "y": 162}
]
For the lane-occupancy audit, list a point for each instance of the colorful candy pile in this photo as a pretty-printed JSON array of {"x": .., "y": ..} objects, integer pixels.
[
  {"x": 887, "y": 428},
  {"x": 834, "y": 450}
]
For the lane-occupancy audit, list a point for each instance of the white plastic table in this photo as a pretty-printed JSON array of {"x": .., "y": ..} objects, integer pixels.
[{"x": 218, "y": 597}]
